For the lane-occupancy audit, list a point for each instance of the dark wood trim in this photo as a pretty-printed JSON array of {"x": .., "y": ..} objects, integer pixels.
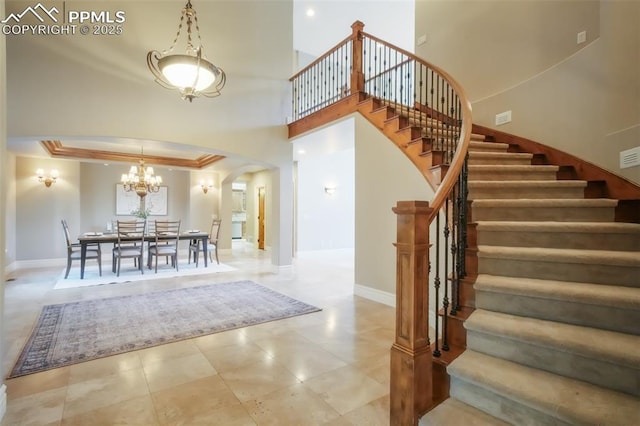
[
  {"x": 339, "y": 109},
  {"x": 57, "y": 150}
]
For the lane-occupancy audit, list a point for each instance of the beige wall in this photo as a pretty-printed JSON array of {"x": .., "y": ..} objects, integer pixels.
[
  {"x": 383, "y": 176},
  {"x": 3, "y": 204},
  {"x": 9, "y": 209},
  {"x": 85, "y": 195},
  {"x": 523, "y": 56}
]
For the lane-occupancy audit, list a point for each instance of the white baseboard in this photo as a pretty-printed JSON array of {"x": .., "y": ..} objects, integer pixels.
[
  {"x": 3, "y": 401},
  {"x": 12, "y": 267},
  {"x": 39, "y": 263},
  {"x": 376, "y": 295}
]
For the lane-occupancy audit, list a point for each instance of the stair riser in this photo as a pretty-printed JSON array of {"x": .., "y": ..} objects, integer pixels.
[
  {"x": 592, "y": 370},
  {"x": 510, "y": 175},
  {"x": 478, "y": 193},
  {"x": 557, "y": 214},
  {"x": 562, "y": 240},
  {"x": 612, "y": 318},
  {"x": 499, "y": 406},
  {"x": 562, "y": 271}
]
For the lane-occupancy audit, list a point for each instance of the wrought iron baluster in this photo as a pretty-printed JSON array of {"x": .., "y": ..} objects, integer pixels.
[
  {"x": 445, "y": 299},
  {"x": 436, "y": 285}
]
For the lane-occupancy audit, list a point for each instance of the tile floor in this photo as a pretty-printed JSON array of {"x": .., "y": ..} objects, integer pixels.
[{"x": 325, "y": 368}]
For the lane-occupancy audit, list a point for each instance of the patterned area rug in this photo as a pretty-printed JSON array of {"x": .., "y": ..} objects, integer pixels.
[{"x": 75, "y": 332}]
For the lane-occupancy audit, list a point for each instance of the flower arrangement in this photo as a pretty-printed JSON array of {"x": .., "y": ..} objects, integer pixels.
[{"x": 141, "y": 213}]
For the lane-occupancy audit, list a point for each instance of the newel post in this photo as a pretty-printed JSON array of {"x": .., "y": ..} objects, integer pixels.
[
  {"x": 411, "y": 368},
  {"x": 357, "y": 76}
]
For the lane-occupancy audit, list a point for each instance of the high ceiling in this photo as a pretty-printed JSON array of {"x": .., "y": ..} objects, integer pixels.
[{"x": 312, "y": 35}]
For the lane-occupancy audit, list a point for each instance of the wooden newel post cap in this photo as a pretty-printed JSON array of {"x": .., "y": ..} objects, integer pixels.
[
  {"x": 357, "y": 26},
  {"x": 412, "y": 207}
]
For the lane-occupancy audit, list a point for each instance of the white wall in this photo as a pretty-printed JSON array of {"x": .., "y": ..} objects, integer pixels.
[
  {"x": 326, "y": 221},
  {"x": 333, "y": 19},
  {"x": 326, "y": 157}
]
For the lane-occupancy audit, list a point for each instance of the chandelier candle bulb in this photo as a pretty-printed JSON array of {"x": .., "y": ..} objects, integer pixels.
[{"x": 141, "y": 179}]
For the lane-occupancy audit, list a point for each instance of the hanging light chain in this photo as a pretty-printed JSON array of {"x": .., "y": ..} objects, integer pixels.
[{"x": 175, "y": 40}]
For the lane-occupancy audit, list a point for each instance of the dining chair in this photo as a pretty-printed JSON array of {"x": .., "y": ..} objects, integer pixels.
[
  {"x": 212, "y": 243},
  {"x": 74, "y": 250},
  {"x": 130, "y": 243},
  {"x": 165, "y": 243},
  {"x": 114, "y": 230}
]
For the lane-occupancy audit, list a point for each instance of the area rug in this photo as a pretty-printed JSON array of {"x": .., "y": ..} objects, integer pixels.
[
  {"x": 75, "y": 332},
  {"x": 129, "y": 274}
]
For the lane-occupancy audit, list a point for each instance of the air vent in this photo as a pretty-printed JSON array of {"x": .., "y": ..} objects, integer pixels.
[
  {"x": 503, "y": 118},
  {"x": 630, "y": 158}
]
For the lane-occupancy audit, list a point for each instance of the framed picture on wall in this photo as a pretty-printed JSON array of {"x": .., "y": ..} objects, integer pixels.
[{"x": 155, "y": 202}]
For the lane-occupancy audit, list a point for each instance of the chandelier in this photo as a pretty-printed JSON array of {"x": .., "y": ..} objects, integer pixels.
[
  {"x": 141, "y": 179},
  {"x": 189, "y": 73}
]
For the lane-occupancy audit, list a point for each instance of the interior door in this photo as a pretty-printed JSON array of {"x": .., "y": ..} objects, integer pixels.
[{"x": 261, "y": 218}]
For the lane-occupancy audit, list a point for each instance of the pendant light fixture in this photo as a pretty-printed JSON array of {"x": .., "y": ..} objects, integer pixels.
[{"x": 190, "y": 73}]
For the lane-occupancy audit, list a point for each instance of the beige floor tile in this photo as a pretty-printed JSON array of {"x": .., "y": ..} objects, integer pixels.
[
  {"x": 235, "y": 415},
  {"x": 378, "y": 367},
  {"x": 218, "y": 340},
  {"x": 375, "y": 413},
  {"x": 104, "y": 367},
  {"x": 254, "y": 380},
  {"x": 293, "y": 405},
  {"x": 134, "y": 412},
  {"x": 228, "y": 358},
  {"x": 299, "y": 355},
  {"x": 103, "y": 391},
  {"x": 164, "y": 374},
  {"x": 36, "y": 409},
  {"x": 36, "y": 383},
  {"x": 200, "y": 399},
  {"x": 168, "y": 351},
  {"x": 347, "y": 388}
]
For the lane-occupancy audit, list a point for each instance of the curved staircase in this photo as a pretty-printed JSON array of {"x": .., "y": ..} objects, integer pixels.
[{"x": 555, "y": 335}]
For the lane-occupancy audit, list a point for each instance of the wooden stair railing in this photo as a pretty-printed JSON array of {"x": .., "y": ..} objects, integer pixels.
[{"x": 426, "y": 113}]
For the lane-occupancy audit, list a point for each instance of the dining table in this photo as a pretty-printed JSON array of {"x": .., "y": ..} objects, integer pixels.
[{"x": 103, "y": 237}]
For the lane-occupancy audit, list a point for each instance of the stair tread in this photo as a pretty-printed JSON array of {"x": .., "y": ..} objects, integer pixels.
[
  {"x": 608, "y": 257},
  {"x": 570, "y": 400},
  {"x": 546, "y": 202},
  {"x": 486, "y": 145},
  {"x": 587, "y": 293},
  {"x": 527, "y": 183},
  {"x": 611, "y": 346},
  {"x": 588, "y": 227},
  {"x": 455, "y": 413},
  {"x": 498, "y": 155}
]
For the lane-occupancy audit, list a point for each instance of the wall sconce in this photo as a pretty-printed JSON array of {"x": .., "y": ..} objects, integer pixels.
[
  {"x": 48, "y": 180},
  {"x": 205, "y": 186},
  {"x": 330, "y": 189}
]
